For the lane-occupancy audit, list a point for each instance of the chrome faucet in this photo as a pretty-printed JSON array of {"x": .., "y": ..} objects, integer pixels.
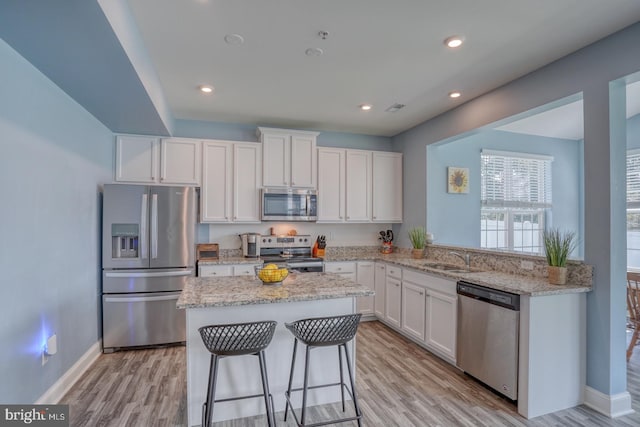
[{"x": 466, "y": 257}]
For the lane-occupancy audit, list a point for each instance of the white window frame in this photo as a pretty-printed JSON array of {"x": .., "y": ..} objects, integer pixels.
[
  {"x": 537, "y": 202},
  {"x": 633, "y": 205}
]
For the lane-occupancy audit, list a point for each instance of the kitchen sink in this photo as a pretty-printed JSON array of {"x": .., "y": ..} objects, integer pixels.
[{"x": 447, "y": 267}]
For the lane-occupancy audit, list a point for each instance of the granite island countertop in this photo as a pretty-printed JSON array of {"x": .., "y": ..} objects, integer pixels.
[{"x": 202, "y": 292}]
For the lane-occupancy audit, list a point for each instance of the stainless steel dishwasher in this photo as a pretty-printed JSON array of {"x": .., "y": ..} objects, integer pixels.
[{"x": 487, "y": 339}]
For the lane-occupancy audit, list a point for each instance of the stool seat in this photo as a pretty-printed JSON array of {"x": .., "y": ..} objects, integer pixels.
[
  {"x": 325, "y": 331},
  {"x": 237, "y": 339}
]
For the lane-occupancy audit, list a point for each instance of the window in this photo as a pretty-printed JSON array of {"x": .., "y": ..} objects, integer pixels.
[
  {"x": 633, "y": 208},
  {"x": 515, "y": 195}
]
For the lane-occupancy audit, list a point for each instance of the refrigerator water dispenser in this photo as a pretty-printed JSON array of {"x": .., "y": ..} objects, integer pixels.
[{"x": 124, "y": 240}]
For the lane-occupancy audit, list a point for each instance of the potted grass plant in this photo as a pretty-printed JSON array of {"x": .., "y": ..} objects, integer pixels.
[
  {"x": 418, "y": 238},
  {"x": 557, "y": 247}
]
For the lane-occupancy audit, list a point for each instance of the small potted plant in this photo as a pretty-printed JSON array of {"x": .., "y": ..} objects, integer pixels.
[
  {"x": 557, "y": 247},
  {"x": 418, "y": 238}
]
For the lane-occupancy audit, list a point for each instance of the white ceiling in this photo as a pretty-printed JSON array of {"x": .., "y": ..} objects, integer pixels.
[
  {"x": 567, "y": 121},
  {"x": 378, "y": 51}
]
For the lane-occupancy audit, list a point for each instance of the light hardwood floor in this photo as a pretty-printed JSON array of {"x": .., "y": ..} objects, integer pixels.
[{"x": 398, "y": 383}]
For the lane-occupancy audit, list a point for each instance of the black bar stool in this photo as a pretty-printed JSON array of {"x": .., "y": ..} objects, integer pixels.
[
  {"x": 237, "y": 340},
  {"x": 323, "y": 332}
]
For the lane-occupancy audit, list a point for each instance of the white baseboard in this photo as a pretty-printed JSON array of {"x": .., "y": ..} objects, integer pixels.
[
  {"x": 612, "y": 406},
  {"x": 66, "y": 381}
]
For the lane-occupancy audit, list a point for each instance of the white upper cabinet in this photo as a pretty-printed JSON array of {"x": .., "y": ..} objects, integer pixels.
[
  {"x": 137, "y": 158},
  {"x": 387, "y": 187},
  {"x": 231, "y": 173},
  {"x": 289, "y": 158},
  {"x": 145, "y": 159},
  {"x": 358, "y": 193},
  {"x": 215, "y": 194},
  {"x": 180, "y": 161},
  {"x": 331, "y": 185}
]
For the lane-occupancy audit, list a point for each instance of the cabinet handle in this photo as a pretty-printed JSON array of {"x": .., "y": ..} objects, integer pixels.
[
  {"x": 397, "y": 284},
  {"x": 421, "y": 293},
  {"x": 374, "y": 217},
  {"x": 153, "y": 178},
  {"x": 293, "y": 183},
  {"x": 339, "y": 268}
]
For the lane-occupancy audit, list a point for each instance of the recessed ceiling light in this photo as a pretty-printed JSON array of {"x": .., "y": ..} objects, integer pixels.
[
  {"x": 234, "y": 39},
  {"x": 314, "y": 51},
  {"x": 454, "y": 41},
  {"x": 365, "y": 107},
  {"x": 454, "y": 94},
  {"x": 205, "y": 89}
]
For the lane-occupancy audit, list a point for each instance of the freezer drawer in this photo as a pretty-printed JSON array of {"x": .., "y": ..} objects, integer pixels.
[
  {"x": 145, "y": 280},
  {"x": 141, "y": 319}
]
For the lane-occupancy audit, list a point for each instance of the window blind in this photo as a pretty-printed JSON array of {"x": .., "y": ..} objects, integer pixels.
[
  {"x": 633, "y": 179},
  {"x": 515, "y": 180}
]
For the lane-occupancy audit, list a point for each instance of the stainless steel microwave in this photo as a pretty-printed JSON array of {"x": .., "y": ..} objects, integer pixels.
[{"x": 289, "y": 204}]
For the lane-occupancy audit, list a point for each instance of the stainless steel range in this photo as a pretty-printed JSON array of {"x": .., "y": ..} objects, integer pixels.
[{"x": 294, "y": 252}]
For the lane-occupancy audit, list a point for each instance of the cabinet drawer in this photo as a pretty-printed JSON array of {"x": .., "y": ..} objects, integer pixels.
[
  {"x": 340, "y": 267},
  {"x": 415, "y": 277},
  {"x": 215, "y": 270},
  {"x": 395, "y": 272},
  {"x": 440, "y": 284},
  {"x": 244, "y": 270}
]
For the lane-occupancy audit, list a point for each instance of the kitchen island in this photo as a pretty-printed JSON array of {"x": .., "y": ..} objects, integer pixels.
[{"x": 239, "y": 299}]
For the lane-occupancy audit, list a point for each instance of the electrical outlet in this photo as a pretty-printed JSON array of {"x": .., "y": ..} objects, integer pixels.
[{"x": 526, "y": 265}]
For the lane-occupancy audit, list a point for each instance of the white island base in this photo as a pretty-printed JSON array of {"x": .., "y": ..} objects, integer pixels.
[{"x": 240, "y": 375}]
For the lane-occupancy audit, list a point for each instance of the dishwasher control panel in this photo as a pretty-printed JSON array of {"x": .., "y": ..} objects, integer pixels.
[{"x": 491, "y": 296}]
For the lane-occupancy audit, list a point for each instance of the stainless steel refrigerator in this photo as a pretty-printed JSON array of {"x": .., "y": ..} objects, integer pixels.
[{"x": 148, "y": 252}]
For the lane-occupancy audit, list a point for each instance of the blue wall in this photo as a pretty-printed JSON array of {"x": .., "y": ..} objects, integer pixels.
[
  {"x": 453, "y": 217},
  {"x": 243, "y": 132},
  {"x": 54, "y": 157}
]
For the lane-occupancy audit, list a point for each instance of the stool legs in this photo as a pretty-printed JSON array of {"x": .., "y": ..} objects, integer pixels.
[
  {"x": 353, "y": 386},
  {"x": 265, "y": 389},
  {"x": 293, "y": 366},
  {"x": 207, "y": 409},
  {"x": 305, "y": 387}
]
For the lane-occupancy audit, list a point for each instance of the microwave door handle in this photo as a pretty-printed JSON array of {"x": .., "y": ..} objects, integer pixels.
[
  {"x": 308, "y": 197},
  {"x": 154, "y": 226},
  {"x": 144, "y": 215}
]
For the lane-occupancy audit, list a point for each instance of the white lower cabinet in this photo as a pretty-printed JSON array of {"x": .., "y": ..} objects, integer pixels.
[
  {"x": 422, "y": 306},
  {"x": 441, "y": 322},
  {"x": 365, "y": 275},
  {"x": 413, "y": 309},
  {"x": 380, "y": 280},
  {"x": 226, "y": 270}
]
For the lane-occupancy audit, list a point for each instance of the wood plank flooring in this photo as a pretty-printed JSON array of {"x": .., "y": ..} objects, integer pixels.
[{"x": 398, "y": 383}]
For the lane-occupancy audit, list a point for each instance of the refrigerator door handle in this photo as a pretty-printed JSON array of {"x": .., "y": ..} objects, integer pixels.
[
  {"x": 154, "y": 226},
  {"x": 144, "y": 214},
  {"x": 149, "y": 274},
  {"x": 142, "y": 299}
]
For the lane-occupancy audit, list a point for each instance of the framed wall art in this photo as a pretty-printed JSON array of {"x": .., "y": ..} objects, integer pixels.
[{"x": 457, "y": 180}]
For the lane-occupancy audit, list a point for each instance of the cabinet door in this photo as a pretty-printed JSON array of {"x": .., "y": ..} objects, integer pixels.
[
  {"x": 303, "y": 161},
  {"x": 393, "y": 301},
  {"x": 215, "y": 271},
  {"x": 413, "y": 310},
  {"x": 247, "y": 176},
  {"x": 441, "y": 322},
  {"x": 387, "y": 187},
  {"x": 365, "y": 276},
  {"x": 380, "y": 284},
  {"x": 358, "y": 186},
  {"x": 136, "y": 159},
  {"x": 276, "y": 164},
  {"x": 215, "y": 195},
  {"x": 331, "y": 185},
  {"x": 180, "y": 161}
]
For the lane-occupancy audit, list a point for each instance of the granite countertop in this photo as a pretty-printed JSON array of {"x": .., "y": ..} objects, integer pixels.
[
  {"x": 514, "y": 283},
  {"x": 202, "y": 292}
]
